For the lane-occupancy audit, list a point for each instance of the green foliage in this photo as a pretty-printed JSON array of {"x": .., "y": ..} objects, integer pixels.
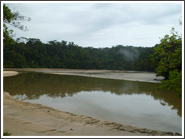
[
  {"x": 13, "y": 19},
  {"x": 24, "y": 53},
  {"x": 145, "y": 60},
  {"x": 7, "y": 17},
  {"x": 169, "y": 51},
  {"x": 174, "y": 82},
  {"x": 35, "y": 54},
  {"x": 7, "y": 14},
  {"x": 6, "y": 133}
]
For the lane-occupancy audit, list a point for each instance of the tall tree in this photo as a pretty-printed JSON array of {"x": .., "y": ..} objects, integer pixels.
[{"x": 169, "y": 51}]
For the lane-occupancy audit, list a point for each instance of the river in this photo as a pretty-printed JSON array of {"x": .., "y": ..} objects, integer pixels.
[{"x": 133, "y": 103}]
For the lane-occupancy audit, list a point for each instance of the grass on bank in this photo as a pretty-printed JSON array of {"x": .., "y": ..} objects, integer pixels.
[{"x": 6, "y": 133}]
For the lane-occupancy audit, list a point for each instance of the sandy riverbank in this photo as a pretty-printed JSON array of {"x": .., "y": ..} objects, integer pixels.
[
  {"x": 9, "y": 73},
  {"x": 28, "y": 119},
  {"x": 108, "y": 74}
]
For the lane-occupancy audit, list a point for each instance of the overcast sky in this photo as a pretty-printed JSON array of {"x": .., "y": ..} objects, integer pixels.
[{"x": 100, "y": 24}]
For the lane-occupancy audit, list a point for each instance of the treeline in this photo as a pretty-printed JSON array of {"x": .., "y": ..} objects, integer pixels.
[
  {"x": 32, "y": 53},
  {"x": 165, "y": 58}
]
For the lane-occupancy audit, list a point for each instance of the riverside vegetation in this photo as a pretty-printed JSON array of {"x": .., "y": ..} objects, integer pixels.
[{"x": 164, "y": 58}]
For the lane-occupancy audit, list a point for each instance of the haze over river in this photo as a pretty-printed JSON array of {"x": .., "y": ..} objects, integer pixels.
[{"x": 134, "y": 103}]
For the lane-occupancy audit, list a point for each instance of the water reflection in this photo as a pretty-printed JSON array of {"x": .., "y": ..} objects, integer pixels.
[{"x": 34, "y": 85}]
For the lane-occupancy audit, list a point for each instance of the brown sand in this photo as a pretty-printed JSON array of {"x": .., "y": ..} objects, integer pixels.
[
  {"x": 108, "y": 74},
  {"x": 29, "y": 119}
]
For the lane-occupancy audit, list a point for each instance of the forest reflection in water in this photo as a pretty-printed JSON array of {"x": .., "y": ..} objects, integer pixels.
[{"x": 32, "y": 86}]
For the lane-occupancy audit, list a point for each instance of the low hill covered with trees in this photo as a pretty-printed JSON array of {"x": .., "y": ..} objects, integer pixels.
[
  {"x": 164, "y": 58},
  {"x": 33, "y": 53}
]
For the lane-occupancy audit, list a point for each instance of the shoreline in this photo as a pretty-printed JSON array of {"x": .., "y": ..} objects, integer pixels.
[
  {"x": 30, "y": 119},
  {"x": 106, "y": 74},
  {"x": 9, "y": 73}
]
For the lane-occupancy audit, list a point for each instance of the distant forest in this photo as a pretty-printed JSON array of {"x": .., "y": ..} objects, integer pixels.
[
  {"x": 164, "y": 58},
  {"x": 32, "y": 53}
]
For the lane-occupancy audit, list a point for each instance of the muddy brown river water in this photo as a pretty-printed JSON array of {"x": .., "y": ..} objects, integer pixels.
[{"x": 128, "y": 102}]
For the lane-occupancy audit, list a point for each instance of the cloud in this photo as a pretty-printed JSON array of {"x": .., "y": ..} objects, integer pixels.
[{"x": 100, "y": 24}]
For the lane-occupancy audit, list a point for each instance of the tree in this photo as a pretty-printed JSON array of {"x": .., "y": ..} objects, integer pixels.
[
  {"x": 169, "y": 51},
  {"x": 13, "y": 19},
  {"x": 7, "y": 17},
  {"x": 174, "y": 82}
]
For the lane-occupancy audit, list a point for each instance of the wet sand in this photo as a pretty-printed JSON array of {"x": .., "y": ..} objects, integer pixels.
[
  {"x": 29, "y": 119},
  {"x": 108, "y": 74}
]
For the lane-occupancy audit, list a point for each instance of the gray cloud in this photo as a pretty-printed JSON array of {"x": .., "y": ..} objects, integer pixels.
[{"x": 100, "y": 24}]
